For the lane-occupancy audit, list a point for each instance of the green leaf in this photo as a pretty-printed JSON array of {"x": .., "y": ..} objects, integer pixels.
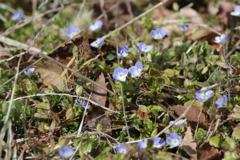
[
  {"x": 31, "y": 86},
  {"x": 69, "y": 113},
  {"x": 102, "y": 156},
  {"x": 184, "y": 59},
  {"x": 99, "y": 127},
  {"x": 236, "y": 132},
  {"x": 79, "y": 90},
  {"x": 175, "y": 6},
  {"x": 235, "y": 115},
  {"x": 205, "y": 69},
  {"x": 153, "y": 72},
  {"x": 169, "y": 72},
  {"x": 75, "y": 51},
  {"x": 155, "y": 109},
  {"x": 228, "y": 155},
  {"x": 215, "y": 141},
  {"x": 200, "y": 133}
]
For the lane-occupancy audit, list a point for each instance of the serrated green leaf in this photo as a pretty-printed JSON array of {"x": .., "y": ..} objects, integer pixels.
[{"x": 215, "y": 141}]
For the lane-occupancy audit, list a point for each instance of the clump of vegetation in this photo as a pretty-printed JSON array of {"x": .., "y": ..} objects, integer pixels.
[{"x": 89, "y": 81}]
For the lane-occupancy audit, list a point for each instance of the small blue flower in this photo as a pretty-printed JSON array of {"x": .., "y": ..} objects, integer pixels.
[
  {"x": 142, "y": 47},
  {"x": 221, "y": 39},
  {"x": 222, "y": 101},
  {"x": 123, "y": 52},
  {"x": 29, "y": 71},
  {"x": 126, "y": 48},
  {"x": 83, "y": 103},
  {"x": 96, "y": 26},
  {"x": 203, "y": 95},
  {"x": 174, "y": 139},
  {"x": 120, "y": 74},
  {"x": 66, "y": 152},
  {"x": 99, "y": 42},
  {"x": 72, "y": 31},
  {"x": 142, "y": 144},
  {"x": 236, "y": 11},
  {"x": 121, "y": 149},
  {"x": 158, "y": 33},
  {"x": 158, "y": 142},
  {"x": 178, "y": 123},
  {"x": 136, "y": 70},
  {"x": 183, "y": 28},
  {"x": 17, "y": 16}
]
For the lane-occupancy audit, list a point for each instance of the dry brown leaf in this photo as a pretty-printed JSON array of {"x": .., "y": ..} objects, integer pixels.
[
  {"x": 99, "y": 94},
  {"x": 3, "y": 52},
  {"x": 142, "y": 112},
  {"x": 207, "y": 152},
  {"x": 51, "y": 74},
  {"x": 188, "y": 144},
  {"x": 192, "y": 115}
]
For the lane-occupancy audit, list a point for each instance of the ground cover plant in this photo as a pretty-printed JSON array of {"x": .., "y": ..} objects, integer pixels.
[{"x": 119, "y": 80}]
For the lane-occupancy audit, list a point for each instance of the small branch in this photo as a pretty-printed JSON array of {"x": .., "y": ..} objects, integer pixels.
[
  {"x": 182, "y": 116},
  {"x": 63, "y": 94}
]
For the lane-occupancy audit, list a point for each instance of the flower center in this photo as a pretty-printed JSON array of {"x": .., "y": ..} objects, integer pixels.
[
  {"x": 120, "y": 74},
  {"x": 124, "y": 151},
  {"x": 156, "y": 144},
  {"x": 175, "y": 141}
]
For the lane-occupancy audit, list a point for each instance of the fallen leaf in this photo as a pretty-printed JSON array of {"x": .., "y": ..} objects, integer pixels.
[
  {"x": 142, "y": 112},
  {"x": 51, "y": 74},
  {"x": 188, "y": 144},
  {"x": 236, "y": 132},
  {"x": 4, "y": 52},
  {"x": 192, "y": 115},
  {"x": 99, "y": 94},
  {"x": 207, "y": 152}
]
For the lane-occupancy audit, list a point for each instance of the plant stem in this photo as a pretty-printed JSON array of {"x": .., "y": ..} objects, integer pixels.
[{"x": 124, "y": 112}]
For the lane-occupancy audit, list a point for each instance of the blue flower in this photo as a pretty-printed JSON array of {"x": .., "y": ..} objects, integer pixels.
[
  {"x": 236, "y": 11},
  {"x": 123, "y": 52},
  {"x": 96, "y": 26},
  {"x": 99, "y": 42},
  {"x": 29, "y": 71},
  {"x": 121, "y": 149},
  {"x": 221, "y": 39},
  {"x": 136, "y": 70},
  {"x": 178, "y": 123},
  {"x": 183, "y": 28},
  {"x": 72, "y": 31},
  {"x": 203, "y": 95},
  {"x": 120, "y": 74},
  {"x": 158, "y": 142},
  {"x": 143, "y": 144},
  {"x": 66, "y": 152},
  {"x": 174, "y": 139},
  {"x": 142, "y": 47},
  {"x": 83, "y": 103},
  {"x": 158, "y": 33},
  {"x": 17, "y": 16},
  {"x": 222, "y": 101}
]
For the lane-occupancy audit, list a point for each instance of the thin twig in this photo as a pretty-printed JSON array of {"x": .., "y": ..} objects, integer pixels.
[
  {"x": 64, "y": 94},
  {"x": 84, "y": 113},
  {"x": 13, "y": 92}
]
